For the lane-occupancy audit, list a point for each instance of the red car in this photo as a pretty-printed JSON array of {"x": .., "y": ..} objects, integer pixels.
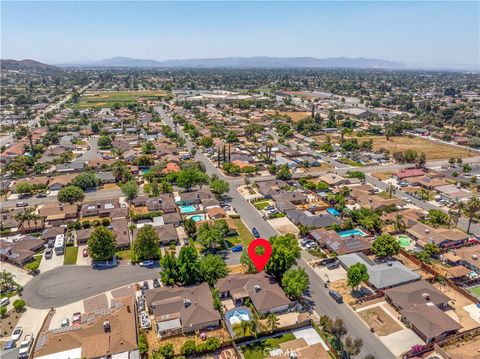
[
  {"x": 85, "y": 252},
  {"x": 77, "y": 318}
]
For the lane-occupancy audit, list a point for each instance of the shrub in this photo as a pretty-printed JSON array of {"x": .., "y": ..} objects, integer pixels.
[
  {"x": 142, "y": 344},
  {"x": 213, "y": 344},
  {"x": 166, "y": 351},
  {"x": 86, "y": 224},
  {"x": 105, "y": 222},
  {"x": 189, "y": 347},
  {"x": 3, "y": 311},
  {"x": 19, "y": 304}
]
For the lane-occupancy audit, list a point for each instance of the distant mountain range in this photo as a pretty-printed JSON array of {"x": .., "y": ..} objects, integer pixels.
[
  {"x": 27, "y": 64},
  {"x": 246, "y": 62}
]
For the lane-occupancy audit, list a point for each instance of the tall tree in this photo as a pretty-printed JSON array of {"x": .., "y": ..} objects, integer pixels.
[
  {"x": 356, "y": 274},
  {"x": 472, "y": 210},
  {"x": 146, "y": 244},
  {"x": 212, "y": 268},
  {"x": 385, "y": 246},
  {"x": 102, "y": 244},
  {"x": 295, "y": 282},
  {"x": 188, "y": 266},
  {"x": 70, "y": 194}
]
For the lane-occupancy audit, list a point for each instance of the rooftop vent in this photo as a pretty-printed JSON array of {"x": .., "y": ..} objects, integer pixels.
[
  {"x": 257, "y": 288},
  {"x": 426, "y": 296},
  {"x": 187, "y": 302},
  {"x": 474, "y": 256},
  {"x": 106, "y": 325}
]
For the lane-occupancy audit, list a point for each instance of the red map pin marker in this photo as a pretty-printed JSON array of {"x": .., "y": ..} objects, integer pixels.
[{"x": 260, "y": 260}]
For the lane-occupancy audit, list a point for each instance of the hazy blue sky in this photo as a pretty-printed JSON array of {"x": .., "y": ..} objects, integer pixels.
[{"x": 435, "y": 33}]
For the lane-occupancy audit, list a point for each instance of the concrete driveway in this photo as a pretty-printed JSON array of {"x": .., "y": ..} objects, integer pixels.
[
  {"x": 81, "y": 260},
  {"x": 21, "y": 275},
  {"x": 49, "y": 264},
  {"x": 401, "y": 341},
  {"x": 332, "y": 274}
]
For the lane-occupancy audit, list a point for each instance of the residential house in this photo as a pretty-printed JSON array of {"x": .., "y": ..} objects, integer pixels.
[
  {"x": 167, "y": 234},
  {"x": 50, "y": 233},
  {"x": 105, "y": 177},
  {"x": 179, "y": 310},
  {"x": 334, "y": 180},
  {"x": 108, "y": 333},
  {"x": 442, "y": 237},
  {"x": 119, "y": 227},
  {"x": 468, "y": 257},
  {"x": 423, "y": 306},
  {"x": 58, "y": 182},
  {"x": 383, "y": 275},
  {"x": 340, "y": 245},
  {"x": 312, "y": 221},
  {"x": 407, "y": 173},
  {"x": 55, "y": 213},
  {"x": 100, "y": 208},
  {"x": 262, "y": 290},
  {"x": 21, "y": 251},
  {"x": 82, "y": 235},
  {"x": 268, "y": 188}
]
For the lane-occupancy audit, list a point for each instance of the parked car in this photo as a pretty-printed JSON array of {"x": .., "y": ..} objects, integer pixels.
[
  {"x": 41, "y": 195},
  {"x": 48, "y": 253},
  {"x": 156, "y": 283},
  {"x": 336, "y": 296},
  {"x": 10, "y": 345},
  {"x": 25, "y": 346},
  {"x": 145, "y": 286},
  {"x": 4, "y": 301},
  {"x": 85, "y": 252},
  {"x": 147, "y": 263},
  {"x": 141, "y": 304},
  {"x": 238, "y": 248},
  {"x": 77, "y": 318},
  {"x": 51, "y": 243},
  {"x": 65, "y": 323},
  {"x": 310, "y": 245},
  {"x": 333, "y": 265},
  {"x": 21, "y": 204},
  {"x": 255, "y": 233},
  {"x": 17, "y": 333}
]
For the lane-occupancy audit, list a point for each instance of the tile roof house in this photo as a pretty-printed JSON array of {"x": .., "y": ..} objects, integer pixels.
[
  {"x": 311, "y": 221},
  {"x": 422, "y": 305},
  {"x": 55, "y": 213},
  {"x": 105, "y": 333},
  {"x": 21, "y": 251},
  {"x": 383, "y": 275},
  {"x": 466, "y": 256},
  {"x": 268, "y": 188},
  {"x": 82, "y": 235},
  {"x": 340, "y": 245},
  {"x": 58, "y": 182},
  {"x": 264, "y": 292},
  {"x": 180, "y": 310},
  {"x": 100, "y": 208},
  {"x": 407, "y": 173},
  {"x": 167, "y": 233},
  {"x": 442, "y": 237},
  {"x": 52, "y": 232},
  {"x": 120, "y": 229}
]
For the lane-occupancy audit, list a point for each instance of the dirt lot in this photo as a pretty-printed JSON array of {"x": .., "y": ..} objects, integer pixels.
[
  {"x": 466, "y": 350},
  {"x": 433, "y": 150},
  {"x": 379, "y": 320},
  {"x": 296, "y": 116}
]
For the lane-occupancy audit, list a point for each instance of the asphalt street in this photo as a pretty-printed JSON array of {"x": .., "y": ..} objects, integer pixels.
[
  {"x": 318, "y": 295},
  {"x": 68, "y": 284}
]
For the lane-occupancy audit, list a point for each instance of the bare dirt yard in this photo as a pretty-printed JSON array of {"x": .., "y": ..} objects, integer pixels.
[
  {"x": 379, "y": 320},
  {"x": 433, "y": 150},
  {"x": 296, "y": 116}
]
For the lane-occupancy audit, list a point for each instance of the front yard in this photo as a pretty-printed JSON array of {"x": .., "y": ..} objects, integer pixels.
[
  {"x": 70, "y": 257},
  {"x": 259, "y": 349},
  {"x": 33, "y": 265},
  {"x": 244, "y": 236},
  {"x": 377, "y": 319}
]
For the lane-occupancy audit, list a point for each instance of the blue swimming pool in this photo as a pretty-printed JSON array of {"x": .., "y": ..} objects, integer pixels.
[
  {"x": 236, "y": 316},
  {"x": 333, "y": 211},
  {"x": 354, "y": 232},
  {"x": 197, "y": 217},
  {"x": 187, "y": 209}
]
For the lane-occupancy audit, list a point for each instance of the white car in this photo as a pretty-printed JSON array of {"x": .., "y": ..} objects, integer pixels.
[
  {"x": 25, "y": 345},
  {"x": 4, "y": 301},
  {"x": 17, "y": 333}
]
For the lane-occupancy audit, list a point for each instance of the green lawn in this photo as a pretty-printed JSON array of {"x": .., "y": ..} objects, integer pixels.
[
  {"x": 350, "y": 162},
  {"x": 70, "y": 256},
  {"x": 257, "y": 350},
  {"x": 110, "y": 98},
  {"x": 261, "y": 204},
  {"x": 384, "y": 195},
  {"x": 124, "y": 255},
  {"x": 244, "y": 236},
  {"x": 33, "y": 265},
  {"x": 475, "y": 291}
]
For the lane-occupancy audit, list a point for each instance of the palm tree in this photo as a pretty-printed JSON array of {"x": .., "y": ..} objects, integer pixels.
[
  {"x": 471, "y": 209},
  {"x": 26, "y": 216},
  {"x": 272, "y": 322},
  {"x": 243, "y": 329},
  {"x": 399, "y": 224},
  {"x": 391, "y": 190}
]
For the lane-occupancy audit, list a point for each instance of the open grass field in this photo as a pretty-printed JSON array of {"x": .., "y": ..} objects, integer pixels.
[
  {"x": 110, "y": 98},
  {"x": 475, "y": 291},
  {"x": 70, "y": 257},
  {"x": 433, "y": 150},
  {"x": 296, "y": 116},
  {"x": 259, "y": 349}
]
